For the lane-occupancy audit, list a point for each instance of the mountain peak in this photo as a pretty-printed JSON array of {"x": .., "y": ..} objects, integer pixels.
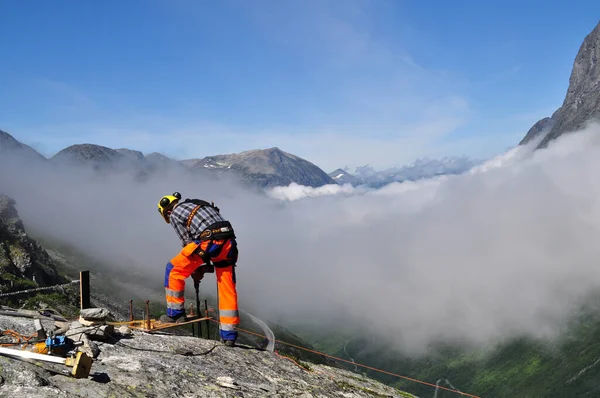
[
  {"x": 582, "y": 100},
  {"x": 275, "y": 150},
  {"x": 265, "y": 167},
  {"x": 342, "y": 177},
  {"x": 586, "y": 68},
  {"x": 87, "y": 152},
  {"x": 158, "y": 155},
  {"x": 9, "y": 144}
]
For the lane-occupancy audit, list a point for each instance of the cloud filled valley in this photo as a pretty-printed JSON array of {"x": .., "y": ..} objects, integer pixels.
[{"x": 507, "y": 248}]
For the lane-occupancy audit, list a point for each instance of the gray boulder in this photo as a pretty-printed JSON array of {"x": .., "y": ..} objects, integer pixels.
[{"x": 94, "y": 314}]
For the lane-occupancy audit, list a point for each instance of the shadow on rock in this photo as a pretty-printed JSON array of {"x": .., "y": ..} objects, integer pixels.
[{"x": 101, "y": 377}]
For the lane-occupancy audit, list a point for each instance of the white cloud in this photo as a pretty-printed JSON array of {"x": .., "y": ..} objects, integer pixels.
[
  {"x": 506, "y": 250},
  {"x": 477, "y": 257},
  {"x": 295, "y": 191}
]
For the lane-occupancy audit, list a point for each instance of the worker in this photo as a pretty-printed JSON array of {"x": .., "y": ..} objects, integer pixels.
[{"x": 208, "y": 240}]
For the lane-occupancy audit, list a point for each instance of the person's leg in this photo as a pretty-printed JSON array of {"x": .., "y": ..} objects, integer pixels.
[
  {"x": 176, "y": 271},
  {"x": 224, "y": 264},
  {"x": 228, "y": 302}
]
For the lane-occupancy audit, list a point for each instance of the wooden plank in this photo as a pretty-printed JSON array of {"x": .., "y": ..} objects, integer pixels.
[
  {"x": 142, "y": 321},
  {"x": 156, "y": 325},
  {"x": 84, "y": 289}
]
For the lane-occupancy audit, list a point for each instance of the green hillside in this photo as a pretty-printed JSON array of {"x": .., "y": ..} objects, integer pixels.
[{"x": 520, "y": 367}]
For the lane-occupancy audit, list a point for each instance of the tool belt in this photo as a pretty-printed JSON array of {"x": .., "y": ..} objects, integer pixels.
[{"x": 221, "y": 230}]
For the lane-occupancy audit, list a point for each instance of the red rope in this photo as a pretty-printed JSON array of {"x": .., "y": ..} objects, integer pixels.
[{"x": 357, "y": 364}]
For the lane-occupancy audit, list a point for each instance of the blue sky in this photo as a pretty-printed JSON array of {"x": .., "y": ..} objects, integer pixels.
[{"x": 340, "y": 83}]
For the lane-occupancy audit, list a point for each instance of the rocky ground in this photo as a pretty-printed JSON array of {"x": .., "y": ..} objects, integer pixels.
[{"x": 161, "y": 365}]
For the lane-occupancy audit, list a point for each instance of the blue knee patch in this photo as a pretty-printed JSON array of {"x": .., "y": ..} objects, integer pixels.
[
  {"x": 214, "y": 249},
  {"x": 174, "y": 313},
  {"x": 229, "y": 335},
  {"x": 168, "y": 269}
]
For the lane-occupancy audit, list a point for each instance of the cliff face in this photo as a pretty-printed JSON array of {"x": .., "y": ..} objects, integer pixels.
[
  {"x": 541, "y": 127},
  {"x": 582, "y": 101},
  {"x": 23, "y": 262}
]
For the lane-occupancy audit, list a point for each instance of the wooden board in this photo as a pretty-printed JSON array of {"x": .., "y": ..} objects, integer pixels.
[
  {"x": 127, "y": 323},
  {"x": 157, "y": 325}
]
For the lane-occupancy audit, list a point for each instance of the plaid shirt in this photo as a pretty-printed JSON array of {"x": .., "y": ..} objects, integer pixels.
[{"x": 204, "y": 217}]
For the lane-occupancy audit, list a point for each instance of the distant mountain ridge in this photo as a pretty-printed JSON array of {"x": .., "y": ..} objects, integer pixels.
[
  {"x": 262, "y": 168},
  {"x": 582, "y": 100},
  {"x": 342, "y": 177},
  {"x": 259, "y": 168},
  {"x": 420, "y": 169}
]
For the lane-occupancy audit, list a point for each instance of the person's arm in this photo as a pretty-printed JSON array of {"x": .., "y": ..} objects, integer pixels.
[{"x": 178, "y": 222}]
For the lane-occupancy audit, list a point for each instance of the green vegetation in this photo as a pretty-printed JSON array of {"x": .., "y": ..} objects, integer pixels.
[
  {"x": 285, "y": 335},
  {"x": 294, "y": 358},
  {"x": 355, "y": 388},
  {"x": 65, "y": 303},
  {"x": 520, "y": 367},
  {"x": 15, "y": 282}
]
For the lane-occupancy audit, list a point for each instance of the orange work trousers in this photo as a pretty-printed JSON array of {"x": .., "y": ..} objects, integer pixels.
[{"x": 224, "y": 255}]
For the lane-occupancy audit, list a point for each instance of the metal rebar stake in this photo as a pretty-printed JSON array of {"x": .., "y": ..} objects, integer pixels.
[
  {"x": 197, "y": 287},
  {"x": 207, "y": 321},
  {"x": 148, "y": 314}
]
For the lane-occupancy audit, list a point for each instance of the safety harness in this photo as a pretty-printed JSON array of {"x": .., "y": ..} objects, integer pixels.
[{"x": 219, "y": 230}]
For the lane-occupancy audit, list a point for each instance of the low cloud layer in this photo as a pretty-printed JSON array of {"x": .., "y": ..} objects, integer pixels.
[
  {"x": 295, "y": 191},
  {"x": 508, "y": 248}
]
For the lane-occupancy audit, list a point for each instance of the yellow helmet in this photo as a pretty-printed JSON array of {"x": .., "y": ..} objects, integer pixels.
[{"x": 166, "y": 204}]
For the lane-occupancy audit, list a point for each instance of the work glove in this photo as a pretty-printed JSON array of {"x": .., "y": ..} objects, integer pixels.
[{"x": 198, "y": 274}]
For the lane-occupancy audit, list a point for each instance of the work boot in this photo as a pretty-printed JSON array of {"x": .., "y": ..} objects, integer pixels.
[
  {"x": 178, "y": 319},
  {"x": 229, "y": 343}
]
